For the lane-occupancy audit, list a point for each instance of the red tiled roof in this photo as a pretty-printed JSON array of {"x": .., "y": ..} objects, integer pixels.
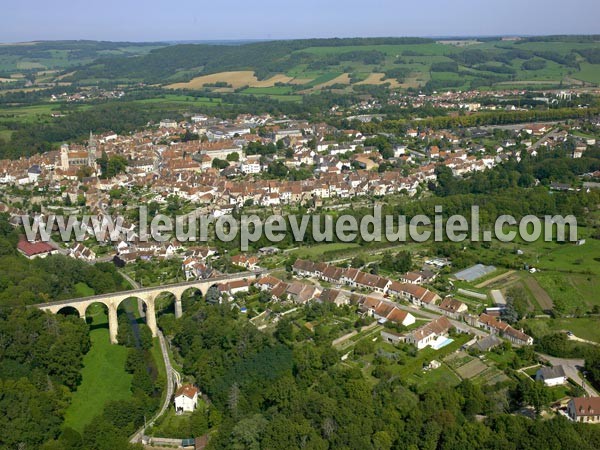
[
  {"x": 188, "y": 390},
  {"x": 34, "y": 248}
]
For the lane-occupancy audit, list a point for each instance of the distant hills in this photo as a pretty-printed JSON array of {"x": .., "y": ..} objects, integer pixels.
[
  {"x": 59, "y": 55},
  {"x": 308, "y": 65}
]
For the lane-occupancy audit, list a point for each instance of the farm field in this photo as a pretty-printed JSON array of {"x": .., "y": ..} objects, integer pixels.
[
  {"x": 236, "y": 79},
  {"x": 471, "y": 368},
  {"x": 416, "y": 61}
]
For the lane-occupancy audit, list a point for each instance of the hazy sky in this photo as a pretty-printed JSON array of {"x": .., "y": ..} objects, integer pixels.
[{"x": 153, "y": 20}]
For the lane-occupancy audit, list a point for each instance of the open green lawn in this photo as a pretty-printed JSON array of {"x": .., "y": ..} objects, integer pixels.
[
  {"x": 585, "y": 327},
  {"x": 390, "y": 50},
  {"x": 573, "y": 292},
  {"x": 569, "y": 257},
  {"x": 318, "y": 250},
  {"x": 273, "y": 90},
  {"x": 178, "y": 426},
  {"x": 103, "y": 376},
  {"x": 27, "y": 112},
  {"x": 443, "y": 375},
  {"x": 413, "y": 366},
  {"x": 168, "y": 98}
]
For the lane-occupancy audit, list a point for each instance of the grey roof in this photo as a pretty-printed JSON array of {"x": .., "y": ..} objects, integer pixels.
[
  {"x": 474, "y": 272},
  {"x": 546, "y": 373},
  {"x": 488, "y": 343},
  {"x": 35, "y": 169}
]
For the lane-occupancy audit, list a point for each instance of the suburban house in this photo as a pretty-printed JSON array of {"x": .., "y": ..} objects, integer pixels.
[
  {"x": 429, "y": 334},
  {"x": 391, "y": 337},
  {"x": 452, "y": 308},
  {"x": 385, "y": 311},
  {"x": 584, "y": 409},
  {"x": 487, "y": 343},
  {"x": 186, "y": 398},
  {"x": 339, "y": 298},
  {"x": 412, "y": 278},
  {"x": 235, "y": 286},
  {"x": 267, "y": 283},
  {"x": 551, "y": 376},
  {"x": 355, "y": 278},
  {"x": 304, "y": 268},
  {"x": 247, "y": 262},
  {"x": 301, "y": 293},
  {"x": 80, "y": 251}
]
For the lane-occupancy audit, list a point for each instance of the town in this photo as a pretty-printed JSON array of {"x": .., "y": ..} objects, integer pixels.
[{"x": 303, "y": 342}]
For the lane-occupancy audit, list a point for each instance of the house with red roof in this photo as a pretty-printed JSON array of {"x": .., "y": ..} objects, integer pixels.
[
  {"x": 32, "y": 250},
  {"x": 186, "y": 398}
]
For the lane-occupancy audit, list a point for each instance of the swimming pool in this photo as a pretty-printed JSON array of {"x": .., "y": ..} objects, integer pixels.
[{"x": 441, "y": 342}]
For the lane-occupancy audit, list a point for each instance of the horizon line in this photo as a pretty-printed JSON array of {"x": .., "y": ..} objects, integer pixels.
[{"x": 241, "y": 39}]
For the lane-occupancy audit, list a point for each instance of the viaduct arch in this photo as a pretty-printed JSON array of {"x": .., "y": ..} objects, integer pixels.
[{"x": 146, "y": 295}]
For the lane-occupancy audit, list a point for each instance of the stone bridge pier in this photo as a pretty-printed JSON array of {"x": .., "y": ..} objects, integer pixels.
[{"x": 147, "y": 295}]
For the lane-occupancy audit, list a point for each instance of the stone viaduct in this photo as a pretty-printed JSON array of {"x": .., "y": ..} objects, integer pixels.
[{"x": 147, "y": 295}]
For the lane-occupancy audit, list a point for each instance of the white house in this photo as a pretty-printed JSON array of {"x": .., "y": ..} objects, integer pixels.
[
  {"x": 186, "y": 398},
  {"x": 551, "y": 376}
]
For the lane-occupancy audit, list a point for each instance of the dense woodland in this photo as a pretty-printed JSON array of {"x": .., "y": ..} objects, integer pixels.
[{"x": 41, "y": 355}]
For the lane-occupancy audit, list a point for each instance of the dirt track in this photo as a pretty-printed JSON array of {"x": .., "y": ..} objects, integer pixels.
[{"x": 493, "y": 280}]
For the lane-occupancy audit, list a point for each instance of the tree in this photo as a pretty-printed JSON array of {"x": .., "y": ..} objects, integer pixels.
[
  {"x": 534, "y": 393},
  {"x": 219, "y": 164},
  {"x": 213, "y": 295},
  {"x": 233, "y": 157}
]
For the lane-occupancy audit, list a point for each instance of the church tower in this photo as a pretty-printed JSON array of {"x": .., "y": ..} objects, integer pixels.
[
  {"x": 92, "y": 151},
  {"x": 64, "y": 157}
]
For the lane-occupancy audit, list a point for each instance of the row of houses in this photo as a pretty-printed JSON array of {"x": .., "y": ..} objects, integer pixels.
[
  {"x": 503, "y": 329},
  {"x": 356, "y": 278}
]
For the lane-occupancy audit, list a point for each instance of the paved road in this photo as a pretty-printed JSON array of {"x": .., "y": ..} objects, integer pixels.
[
  {"x": 173, "y": 377},
  {"x": 543, "y": 139},
  {"x": 137, "y": 437},
  {"x": 572, "y": 368}
]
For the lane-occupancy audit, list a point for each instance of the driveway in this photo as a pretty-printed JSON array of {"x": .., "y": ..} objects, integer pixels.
[{"x": 572, "y": 368}]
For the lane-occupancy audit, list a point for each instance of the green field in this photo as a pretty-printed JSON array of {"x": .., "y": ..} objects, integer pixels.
[
  {"x": 64, "y": 54},
  {"x": 585, "y": 327},
  {"x": 318, "y": 250},
  {"x": 103, "y": 375},
  {"x": 174, "y": 98},
  {"x": 273, "y": 90}
]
